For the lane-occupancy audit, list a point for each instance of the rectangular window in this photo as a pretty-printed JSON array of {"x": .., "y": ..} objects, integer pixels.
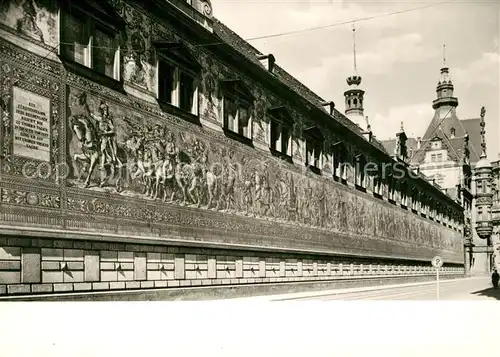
[
  {"x": 439, "y": 157},
  {"x": 281, "y": 137},
  {"x": 433, "y": 157},
  {"x": 177, "y": 86},
  {"x": 91, "y": 43},
  {"x": 237, "y": 117},
  {"x": 313, "y": 149}
]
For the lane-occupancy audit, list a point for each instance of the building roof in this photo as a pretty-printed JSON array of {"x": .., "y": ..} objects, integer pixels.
[
  {"x": 442, "y": 129},
  {"x": 252, "y": 54},
  {"x": 473, "y": 128},
  {"x": 445, "y": 125},
  {"x": 411, "y": 144}
]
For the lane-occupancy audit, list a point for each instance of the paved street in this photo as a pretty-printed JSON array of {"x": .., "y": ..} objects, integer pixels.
[{"x": 461, "y": 289}]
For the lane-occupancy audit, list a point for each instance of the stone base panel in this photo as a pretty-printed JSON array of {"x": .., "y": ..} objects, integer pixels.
[{"x": 37, "y": 266}]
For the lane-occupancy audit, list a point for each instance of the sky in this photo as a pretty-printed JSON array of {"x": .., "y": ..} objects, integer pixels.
[{"x": 399, "y": 57}]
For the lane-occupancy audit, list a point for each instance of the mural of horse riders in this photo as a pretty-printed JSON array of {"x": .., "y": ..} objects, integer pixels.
[
  {"x": 144, "y": 157},
  {"x": 97, "y": 136}
]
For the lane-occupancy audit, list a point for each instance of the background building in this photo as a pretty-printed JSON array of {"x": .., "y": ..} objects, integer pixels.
[
  {"x": 150, "y": 146},
  {"x": 448, "y": 154}
]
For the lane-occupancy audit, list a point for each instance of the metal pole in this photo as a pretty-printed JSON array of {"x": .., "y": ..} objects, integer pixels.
[{"x": 437, "y": 282}]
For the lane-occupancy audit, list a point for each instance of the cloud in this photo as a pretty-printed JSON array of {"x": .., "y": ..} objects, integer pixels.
[
  {"x": 481, "y": 71},
  {"x": 415, "y": 118}
]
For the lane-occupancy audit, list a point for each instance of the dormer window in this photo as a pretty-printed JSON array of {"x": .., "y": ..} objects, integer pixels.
[
  {"x": 177, "y": 76},
  {"x": 452, "y": 132},
  {"x": 314, "y": 147},
  {"x": 90, "y": 37},
  {"x": 281, "y": 125},
  {"x": 237, "y": 108}
]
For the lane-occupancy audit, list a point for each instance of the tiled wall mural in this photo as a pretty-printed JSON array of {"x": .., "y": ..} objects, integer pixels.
[{"x": 117, "y": 150}]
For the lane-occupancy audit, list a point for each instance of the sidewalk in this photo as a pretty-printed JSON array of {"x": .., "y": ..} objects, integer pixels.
[{"x": 319, "y": 293}]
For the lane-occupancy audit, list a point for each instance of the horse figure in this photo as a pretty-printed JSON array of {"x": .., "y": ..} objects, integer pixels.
[{"x": 87, "y": 134}]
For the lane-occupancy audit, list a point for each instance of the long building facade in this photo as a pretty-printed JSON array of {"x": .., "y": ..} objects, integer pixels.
[{"x": 147, "y": 146}]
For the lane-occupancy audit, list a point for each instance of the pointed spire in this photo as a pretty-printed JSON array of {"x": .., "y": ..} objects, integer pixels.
[
  {"x": 354, "y": 45},
  {"x": 483, "y": 132},
  {"x": 444, "y": 55}
]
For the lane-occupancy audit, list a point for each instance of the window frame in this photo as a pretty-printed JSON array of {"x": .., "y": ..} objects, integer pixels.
[
  {"x": 178, "y": 70},
  {"x": 91, "y": 24},
  {"x": 240, "y": 103},
  {"x": 280, "y": 119},
  {"x": 315, "y": 143},
  {"x": 235, "y": 91}
]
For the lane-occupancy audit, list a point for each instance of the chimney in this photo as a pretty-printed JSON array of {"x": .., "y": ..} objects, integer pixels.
[
  {"x": 267, "y": 61},
  {"x": 329, "y": 107},
  {"x": 419, "y": 142}
]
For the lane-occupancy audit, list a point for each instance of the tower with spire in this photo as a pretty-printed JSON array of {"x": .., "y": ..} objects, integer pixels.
[
  {"x": 354, "y": 95},
  {"x": 445, "y": 103}
]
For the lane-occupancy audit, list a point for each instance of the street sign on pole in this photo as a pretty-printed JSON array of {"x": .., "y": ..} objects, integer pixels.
[{"x": 437, "y": 262}]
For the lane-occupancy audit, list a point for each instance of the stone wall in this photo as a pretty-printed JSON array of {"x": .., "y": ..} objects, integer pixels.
[{"x": 38, "y": 266}]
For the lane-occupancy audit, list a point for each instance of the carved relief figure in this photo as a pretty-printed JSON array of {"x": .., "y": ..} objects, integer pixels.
[
  {"x": 134, "y": 61},
  {"x": 27, "y": 24},
  {"x": 87, "y": 134},
  {"x": 108, "y": 149}
]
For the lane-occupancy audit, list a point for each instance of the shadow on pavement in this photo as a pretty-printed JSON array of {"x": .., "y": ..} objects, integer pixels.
[{"x": 490, "y": 292}]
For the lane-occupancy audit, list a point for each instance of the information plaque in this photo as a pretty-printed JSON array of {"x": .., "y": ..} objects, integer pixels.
[{"x": 31, "y": 125}]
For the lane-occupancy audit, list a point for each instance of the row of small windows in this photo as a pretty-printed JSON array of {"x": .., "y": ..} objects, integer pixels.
[
  {"x": 94, "y": 44},
  {"x": 354, "y": 102},
  {"x": 436, "y": 157}
]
